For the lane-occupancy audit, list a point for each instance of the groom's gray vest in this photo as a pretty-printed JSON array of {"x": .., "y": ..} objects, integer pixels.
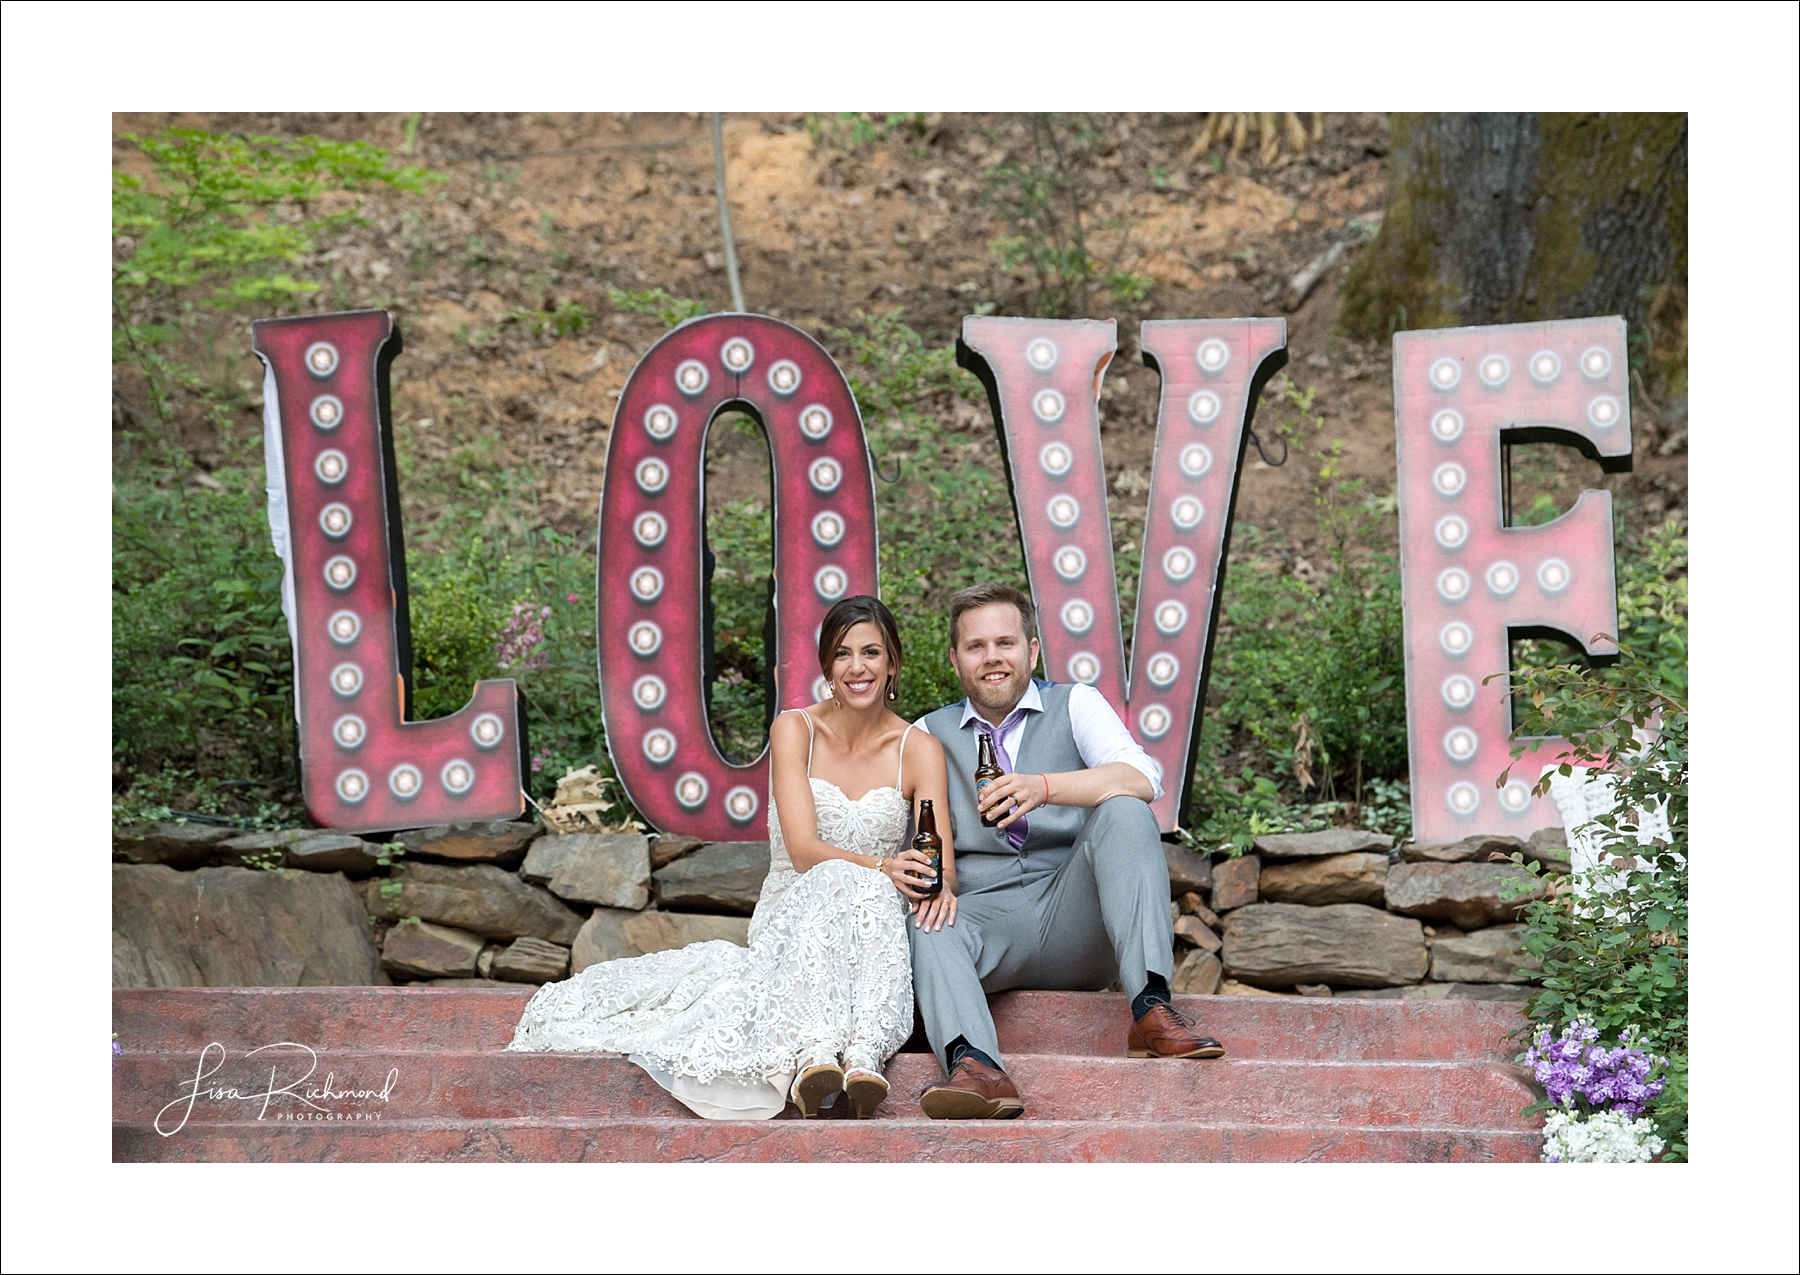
[{"x": 984, "y": 857}]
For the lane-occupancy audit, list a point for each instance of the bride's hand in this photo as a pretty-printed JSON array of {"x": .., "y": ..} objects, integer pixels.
[
  {"x": 907, "y": 870},
  {"x": 936, "y": 913}
]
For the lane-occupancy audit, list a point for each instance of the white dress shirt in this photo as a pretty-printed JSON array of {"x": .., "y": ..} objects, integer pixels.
[{"x": 1100, "y": 737}]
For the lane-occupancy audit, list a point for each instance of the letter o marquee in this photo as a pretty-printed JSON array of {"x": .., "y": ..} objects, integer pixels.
[{"x": 679, "y": 780}]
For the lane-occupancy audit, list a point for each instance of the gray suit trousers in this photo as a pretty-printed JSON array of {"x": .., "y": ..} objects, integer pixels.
[{"x": 1068, "y": 919}]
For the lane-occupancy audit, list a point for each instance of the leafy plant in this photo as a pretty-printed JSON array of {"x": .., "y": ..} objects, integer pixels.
[
  {"x": 1311, "y": 672},
  {"x": 1042, "y": 193},
  {"x": 1613, "y": 939},
  {"x": 656, "y": 301},
  {"x": 568, "y": 318},
  {"x": 453, "y": 631},
  {"x": 852, "y": 130},
  {"x": 946, "y": 515},
  {"x": 218, "y": 225},
  {"x": 202, "y": 663}
]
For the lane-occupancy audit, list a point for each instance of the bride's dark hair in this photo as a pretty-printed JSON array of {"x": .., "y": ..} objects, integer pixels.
[{"x": 846, "y": 615}]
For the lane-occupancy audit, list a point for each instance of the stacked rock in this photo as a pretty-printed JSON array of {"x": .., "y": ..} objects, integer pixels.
[
  {"x": 483, "y": 904},
  {"x": 1342, "y": 913}
]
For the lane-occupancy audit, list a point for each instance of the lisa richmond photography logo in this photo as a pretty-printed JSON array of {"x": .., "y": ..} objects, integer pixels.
[{"x": 277, "y": 1082}]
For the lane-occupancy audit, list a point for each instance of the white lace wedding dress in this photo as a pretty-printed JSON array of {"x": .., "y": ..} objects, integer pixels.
[{"x": 826, "y": 978}]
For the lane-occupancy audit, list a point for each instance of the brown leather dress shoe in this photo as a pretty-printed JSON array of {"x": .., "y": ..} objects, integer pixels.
[
  {"x": 974, "y": 1091},
  {"x": 1166, "y": 1032}
]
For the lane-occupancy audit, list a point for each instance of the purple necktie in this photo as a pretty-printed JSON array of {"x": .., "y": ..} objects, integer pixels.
[{"x": 1015, "y": 832}]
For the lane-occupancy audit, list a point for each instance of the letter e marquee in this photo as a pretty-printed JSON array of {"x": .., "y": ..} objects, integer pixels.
[{"x": 1470, "y": 582}]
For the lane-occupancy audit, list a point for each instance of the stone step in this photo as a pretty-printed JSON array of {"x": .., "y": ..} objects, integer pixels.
[
  {"x": 183, "y": 1020},
  {"x": 477, "y": 1086},
  {"x": 818, "y": 1140}
]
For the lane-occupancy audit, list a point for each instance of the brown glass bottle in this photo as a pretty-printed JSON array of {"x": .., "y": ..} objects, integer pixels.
[
  {"x": 987, "y": 770},
  {"x": 927, "y": 842}
]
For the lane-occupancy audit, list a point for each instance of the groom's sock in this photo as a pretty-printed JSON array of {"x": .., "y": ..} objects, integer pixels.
[
  {"x": 1156, "y": 992},
  {"x": 959, "y": 1049}
]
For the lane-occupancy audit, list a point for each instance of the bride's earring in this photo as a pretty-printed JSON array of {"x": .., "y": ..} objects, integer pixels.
[{"x": 892, "y": 693}]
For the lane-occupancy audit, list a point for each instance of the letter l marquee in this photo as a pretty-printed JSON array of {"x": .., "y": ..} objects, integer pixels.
[{"x": 334, "y": 511}]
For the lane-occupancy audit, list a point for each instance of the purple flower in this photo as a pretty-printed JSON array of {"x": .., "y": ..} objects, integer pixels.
[{"x": 1574, "y": 1066}]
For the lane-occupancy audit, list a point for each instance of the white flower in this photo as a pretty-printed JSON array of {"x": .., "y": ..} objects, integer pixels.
[{"x": 1603, "y": 1138}]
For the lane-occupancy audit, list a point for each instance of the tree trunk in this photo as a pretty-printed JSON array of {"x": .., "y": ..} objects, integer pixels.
[{"x": 1509, "y": 218}]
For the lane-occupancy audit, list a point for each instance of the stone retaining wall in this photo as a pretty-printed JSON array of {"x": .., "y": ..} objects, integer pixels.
[
  {"x": 1337, "y": 913},
  {"x": 462, "y": 905},
  {"x": 1342, "y": 913}
]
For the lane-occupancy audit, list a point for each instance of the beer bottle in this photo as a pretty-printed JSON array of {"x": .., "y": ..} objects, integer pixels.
[
  {"x": 927, "y": 842},
  {"x": 987, "y": 770}
]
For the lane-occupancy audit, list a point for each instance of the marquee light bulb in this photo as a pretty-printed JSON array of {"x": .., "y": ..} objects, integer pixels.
[
  {"x": 1203, "y": 408},
  {"x": 784, "y": 377}
]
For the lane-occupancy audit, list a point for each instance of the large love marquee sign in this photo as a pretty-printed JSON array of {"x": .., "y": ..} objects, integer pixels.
[{"x": 1471, "y": 582}]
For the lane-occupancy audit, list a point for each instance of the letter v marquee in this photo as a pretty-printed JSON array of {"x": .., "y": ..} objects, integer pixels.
[
  {"x": 334, "y": 510},
  {"x": 1043, "y": 381},
  {"x": 652, "y": 525},
  {"x": 1470, "y": 582}
]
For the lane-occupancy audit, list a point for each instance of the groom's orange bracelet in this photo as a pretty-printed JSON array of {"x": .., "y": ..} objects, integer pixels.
[{"x": 1046, "y": 790}]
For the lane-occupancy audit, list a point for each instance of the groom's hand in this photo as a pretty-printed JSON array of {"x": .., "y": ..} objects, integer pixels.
[{"x": 1016, "y": 794}]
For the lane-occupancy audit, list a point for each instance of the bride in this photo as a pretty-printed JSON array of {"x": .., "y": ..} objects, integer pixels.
[{"x": 822, "y": 997}]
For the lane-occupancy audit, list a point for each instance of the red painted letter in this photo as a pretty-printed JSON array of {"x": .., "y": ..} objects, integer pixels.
[
  {"x": 1470, "y": 582},
  {"x": 1043, "y": 379},
  {"x": 335, "y": 511},
  {"x": 652, "y": 519}
]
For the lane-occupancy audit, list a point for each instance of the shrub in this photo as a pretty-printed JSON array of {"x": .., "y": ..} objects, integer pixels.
[
  {"x": 1308, "y": 674},
  {"x": 1613, "y": 939},
  {"x": 201, "y": 660}
]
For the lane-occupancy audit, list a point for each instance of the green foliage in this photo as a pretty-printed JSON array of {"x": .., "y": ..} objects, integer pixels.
[
  {"x": 231, "y": 210},
  {"x": 218, "y": 225},
  {"x": 1653, "y": 590},
  {"x": 740, "y": 537},
  {"x": 1614, "y": 939},
  {"x": 174, "y": 795},
  {"x": 1042, "y": 195},
  {"x": 1308, "y": 674},
  {"x": 454, "y": 620},
  {"x": 946, "y": 519},
  {"x": 656, "y": 301},
  {"x": 852, "y": 130},
  {"x": 568, "y": 318},
  {"x": 202, "y": 663}
]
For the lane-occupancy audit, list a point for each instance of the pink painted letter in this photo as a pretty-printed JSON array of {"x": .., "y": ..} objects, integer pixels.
[
  {"x": 335, "y": 510},
  {"x": 1470, "y": 582},
  {"x": 1043, "y": 380},
  {"x": 652, "y": 521}
]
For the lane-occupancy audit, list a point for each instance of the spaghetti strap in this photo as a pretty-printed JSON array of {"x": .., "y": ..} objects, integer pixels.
[
  {"x": 900, "y": 771},
  {"x": 809, "y": 739}
]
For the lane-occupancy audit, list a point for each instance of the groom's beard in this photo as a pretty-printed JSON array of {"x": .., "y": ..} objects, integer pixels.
[{"x": 998, "y": 698}]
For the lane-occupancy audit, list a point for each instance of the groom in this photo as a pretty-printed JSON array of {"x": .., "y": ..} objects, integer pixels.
[{"x": 1070, "y": 890}]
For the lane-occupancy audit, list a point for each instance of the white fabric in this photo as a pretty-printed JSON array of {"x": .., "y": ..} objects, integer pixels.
[
  {"x": 275, "y": 485},
  {"x": 826, "y": 978},
  {"x": 1100, "y": 737},
  {"x": 1582, "y": 797}
]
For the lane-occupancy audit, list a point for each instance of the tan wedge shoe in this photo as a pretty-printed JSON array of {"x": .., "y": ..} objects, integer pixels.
[
  {"x": 867, "y": 1090},
  {"x": 814, "y": 1085}
]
